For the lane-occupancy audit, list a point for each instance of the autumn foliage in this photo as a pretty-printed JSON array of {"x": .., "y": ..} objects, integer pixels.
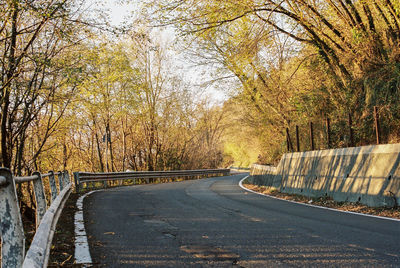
[{"x": 75, "y": 96}]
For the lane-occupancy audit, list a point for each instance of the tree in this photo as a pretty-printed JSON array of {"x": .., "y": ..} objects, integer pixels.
[
  {"x": 36, "y": 78},
  {"x": 347, "y": 47}
]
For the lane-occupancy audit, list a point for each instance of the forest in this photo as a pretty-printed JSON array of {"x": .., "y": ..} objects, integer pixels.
[{"x": 80, "y": 94}]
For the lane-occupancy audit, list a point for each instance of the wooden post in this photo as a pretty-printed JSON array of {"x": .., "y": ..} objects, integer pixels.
[
  {"x": 297, "y": 139},
  {"x": 328, "y": 132},
  {"x": 312, "y": 136},
  {"x": 351, "y": 140},
  {"x": 377, "y": 127},
  {"x": 289, "y": 141}
]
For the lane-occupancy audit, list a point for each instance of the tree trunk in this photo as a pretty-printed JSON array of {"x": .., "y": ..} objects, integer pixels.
[
  {"x": 5, "y": 154},
  {"x": 99, "y": 151}
]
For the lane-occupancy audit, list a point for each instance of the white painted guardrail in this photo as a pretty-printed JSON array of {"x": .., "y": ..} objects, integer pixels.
[
  {"x": 87, "y": 177},
  {"x": 240, "y": 168},
  {"x": 12, "y": 232}
]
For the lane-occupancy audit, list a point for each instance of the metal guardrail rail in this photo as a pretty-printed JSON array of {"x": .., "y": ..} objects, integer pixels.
[
  {"x": 86, "y": 177},
  {"x": 12, "y": 231},
  {"x": 240, "y": 168}
]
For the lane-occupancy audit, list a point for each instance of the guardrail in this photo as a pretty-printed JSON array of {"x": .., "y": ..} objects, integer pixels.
[
  {"x": 12, "y": 231},
  {"x": 240, "y": 168},
  {"x": 87, "y": 177}
]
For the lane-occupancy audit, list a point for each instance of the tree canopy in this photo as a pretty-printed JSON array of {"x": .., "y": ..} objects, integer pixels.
[{"x": 76, "y": 94}]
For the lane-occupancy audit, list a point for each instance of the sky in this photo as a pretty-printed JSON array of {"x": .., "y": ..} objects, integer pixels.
[
  {"x": 119, "y": 14},
  {"x": 119, "y": 11}
]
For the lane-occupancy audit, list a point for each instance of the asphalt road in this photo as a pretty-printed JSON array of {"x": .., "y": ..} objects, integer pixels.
[{"x": 214, "y": 223}]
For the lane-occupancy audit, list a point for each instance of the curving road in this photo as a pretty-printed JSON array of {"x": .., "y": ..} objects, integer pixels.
[{"x": 215, "y": 223}]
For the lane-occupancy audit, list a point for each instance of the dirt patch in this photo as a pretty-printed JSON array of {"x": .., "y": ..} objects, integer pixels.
[
  {"x": 328, "y": 202},
  {"x": 62, "y": 249}
]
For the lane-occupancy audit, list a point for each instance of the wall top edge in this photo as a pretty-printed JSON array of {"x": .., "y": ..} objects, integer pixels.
[
  {"x": 264, "y": 167},
  {"x": 370, "y": 149}
]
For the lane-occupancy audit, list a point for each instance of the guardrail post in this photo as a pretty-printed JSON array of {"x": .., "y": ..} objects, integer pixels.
[
  {"x": 60, "y": 180},
  {"x": 12, "y": 232},
  {"x": 105, "y": 184},
  {"x": 66, "y": 177},
  {"x": 77, "y": 181},
  {"x": 53, "y": 187},
  {"x": 41, "y": 205}
]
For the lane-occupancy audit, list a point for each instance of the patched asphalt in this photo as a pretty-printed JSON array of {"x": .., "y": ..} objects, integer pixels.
[{"x": 214, "y": 223}]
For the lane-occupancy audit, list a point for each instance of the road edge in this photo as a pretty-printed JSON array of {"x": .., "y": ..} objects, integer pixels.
[
  {"x": 82, "y": 253},
  {"x": 315, "y": 206}
]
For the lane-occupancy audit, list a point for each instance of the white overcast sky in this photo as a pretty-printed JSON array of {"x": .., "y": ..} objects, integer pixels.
[{"x": 120, "y": 11}]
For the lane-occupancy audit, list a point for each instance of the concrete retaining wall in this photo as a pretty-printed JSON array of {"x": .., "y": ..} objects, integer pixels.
[
  {"x": 264, "y": 175},
  {"x": 368, "y": 174}
]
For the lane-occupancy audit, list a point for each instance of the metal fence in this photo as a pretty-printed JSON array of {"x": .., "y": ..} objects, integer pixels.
[
  {"x": 12, "y": 231},
  {"x": 82, "y": 178},
  {"x": 323, "y": 128}
]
